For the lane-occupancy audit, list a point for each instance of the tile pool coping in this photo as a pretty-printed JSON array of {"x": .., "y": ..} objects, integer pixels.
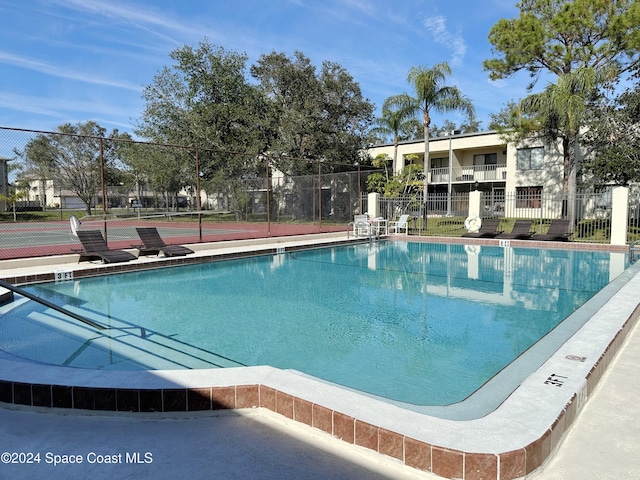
[{"x": 508, "y": 443}]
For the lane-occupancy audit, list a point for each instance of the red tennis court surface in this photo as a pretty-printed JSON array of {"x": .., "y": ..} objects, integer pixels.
[{"x": 35, "y": 239}]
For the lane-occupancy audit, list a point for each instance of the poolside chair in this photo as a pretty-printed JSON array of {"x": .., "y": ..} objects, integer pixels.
[
  {"x": 489, "y": 229},
  {"x": 559, "y": 231},
  {"x": 153, "y": 244},
  {"x": 401, "y": 224},
  {"x": 361, "y": 226},
  {"x": 520, "y": 231},
  {"x": 95, "y": 247}
]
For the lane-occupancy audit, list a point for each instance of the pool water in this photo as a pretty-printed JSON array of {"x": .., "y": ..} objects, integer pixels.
[{"x": 419, "y": 323}]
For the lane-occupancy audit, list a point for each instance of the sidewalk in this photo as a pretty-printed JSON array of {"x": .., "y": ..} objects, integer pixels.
[
  {"x": 604, "y": 441},
  {"x": 256, "y": 444}
]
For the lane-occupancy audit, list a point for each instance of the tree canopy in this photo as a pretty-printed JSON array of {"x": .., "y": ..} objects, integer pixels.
[
  {"x": 587, "y": 45},
  {"x": 319, "y": 115},
  {"x": 559, "y": 36},
  {"x": 613, "y": 139},
  {"x": 397, "y": 122},
  {"x": 76, "y": 157},
  {"x": 205, "y": 100},
  {"x": 294, "y": 113}
]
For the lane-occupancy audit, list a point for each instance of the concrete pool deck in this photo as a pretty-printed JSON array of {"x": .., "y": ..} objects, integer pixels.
[{"x": 530, "y": 419}]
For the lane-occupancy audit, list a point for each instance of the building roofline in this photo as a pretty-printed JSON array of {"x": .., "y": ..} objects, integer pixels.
[{"x": 459, "y": 135}]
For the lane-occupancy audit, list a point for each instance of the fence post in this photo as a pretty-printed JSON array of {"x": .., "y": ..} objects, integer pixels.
[
  {"x": 619, "y": 215},
  {"x": 373, "y": 207},
  {"x": 474, "y": 203}
]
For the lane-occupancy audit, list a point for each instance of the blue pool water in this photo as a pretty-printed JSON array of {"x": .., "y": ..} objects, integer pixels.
[{"x": 421, "y": 323}]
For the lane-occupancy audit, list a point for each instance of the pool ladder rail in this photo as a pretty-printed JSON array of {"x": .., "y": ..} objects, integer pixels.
[{"x": 8, "y": 297}]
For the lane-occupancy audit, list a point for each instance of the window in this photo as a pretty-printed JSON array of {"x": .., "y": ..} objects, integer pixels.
[
  {"x": 439, "y": 162},
  {"x": 485, "y": 159},
  {"x": 528, "y": 197},
  {"x": 530, "y": 158}
]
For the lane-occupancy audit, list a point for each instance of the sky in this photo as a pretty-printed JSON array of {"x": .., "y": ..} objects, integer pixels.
[{"x": 70, "y": 61}]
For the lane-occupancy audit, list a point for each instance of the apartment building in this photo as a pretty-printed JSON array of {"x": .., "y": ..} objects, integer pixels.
[{"x": 483, "y": 161}]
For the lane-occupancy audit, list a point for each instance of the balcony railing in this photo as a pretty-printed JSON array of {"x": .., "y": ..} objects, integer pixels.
[{"x": 470, "y": 173}]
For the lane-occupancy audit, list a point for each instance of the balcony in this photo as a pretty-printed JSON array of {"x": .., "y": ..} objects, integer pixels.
[{"x": 469, "y": 174}]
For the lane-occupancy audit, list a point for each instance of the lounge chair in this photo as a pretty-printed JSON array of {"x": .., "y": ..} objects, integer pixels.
[
  {"x": 558, "y": 232},
  {"x": 488, "y": 229},
  {"x": 95, "y": 247},
  {"x": 401, "y": 224},
  {"x": 520, "y": 231},
  {"x": 153, "y": 244}
]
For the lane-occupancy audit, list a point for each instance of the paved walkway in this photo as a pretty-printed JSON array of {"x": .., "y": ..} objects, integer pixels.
[
  {"x": 604, "y": 441},
  {"x": 231, "y": 445}
]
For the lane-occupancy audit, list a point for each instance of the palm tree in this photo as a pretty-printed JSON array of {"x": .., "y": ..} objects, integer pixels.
[
  {"x": 431, "y": 94},
  {"x": 559, "y": 113},
  {"x": 397, "y": 122}
]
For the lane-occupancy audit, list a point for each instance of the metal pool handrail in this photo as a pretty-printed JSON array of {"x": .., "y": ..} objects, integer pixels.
[{"x": 53, "y": 306}]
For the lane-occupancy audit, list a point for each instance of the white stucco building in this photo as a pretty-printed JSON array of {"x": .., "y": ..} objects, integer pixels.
[
  {"x": 516, "y": 177},
  {"x": 461, "y": 160}
]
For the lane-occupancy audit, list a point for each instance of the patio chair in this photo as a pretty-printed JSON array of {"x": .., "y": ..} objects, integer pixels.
[
  {"x": 361, "y": 226},
  {"x": 95, "y": 247},
  {"x": 489, "y": 229},
  {"x": 559, "y": 231},
  {"x": 401, "y": 224},
  {"x": 153, "y": 244},
  {"x": 520, "y": 231}
]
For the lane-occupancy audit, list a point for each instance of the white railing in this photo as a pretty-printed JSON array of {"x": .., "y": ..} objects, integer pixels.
[{"x": 470, "y": 173}]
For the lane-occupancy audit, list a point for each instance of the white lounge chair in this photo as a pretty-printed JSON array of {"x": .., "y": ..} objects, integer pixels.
[{"x": 396, "y": 228}]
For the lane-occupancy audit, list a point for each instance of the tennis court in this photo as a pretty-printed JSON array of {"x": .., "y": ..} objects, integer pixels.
[{"x": 29, "y": 239}]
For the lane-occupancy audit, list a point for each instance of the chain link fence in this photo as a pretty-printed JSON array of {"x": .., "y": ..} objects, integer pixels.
[{"x": 191, "y": 195}]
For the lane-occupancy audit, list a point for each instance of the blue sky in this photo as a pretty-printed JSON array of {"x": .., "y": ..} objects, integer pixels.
[{"x": 77, "y": 60}]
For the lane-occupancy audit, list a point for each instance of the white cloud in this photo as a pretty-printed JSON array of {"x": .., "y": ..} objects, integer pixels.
[
  {"x": 127, "y": 13},
  {"x": 22, "y": 103},
  {"x": 362, "y": 6},
  {"x": 499, "y": 83},
  {"x": 57, "y": 71},
  {"x": 437, "y": 26},
  {"x": 146, "y": 19},
  {"x": 66, "y": 107}
]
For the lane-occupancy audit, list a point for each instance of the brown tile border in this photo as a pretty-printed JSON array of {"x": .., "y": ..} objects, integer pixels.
[
  {"x": 198, "y": 399},
  {"x": 322, "y": 418},
  {"x": 447, "y": 463},
  {"x": 391, "y": 444},
  {"x": 417, "y": 454}
]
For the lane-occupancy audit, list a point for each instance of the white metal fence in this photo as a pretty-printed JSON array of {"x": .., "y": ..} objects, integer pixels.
[{"x": 442, "y": 214}]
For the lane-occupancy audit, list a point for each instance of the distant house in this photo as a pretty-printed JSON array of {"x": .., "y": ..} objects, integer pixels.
[{"x": 51, "y": 193}]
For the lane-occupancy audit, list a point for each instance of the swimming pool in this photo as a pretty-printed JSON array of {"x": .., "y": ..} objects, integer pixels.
[{"x": 415, "y": 323}]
